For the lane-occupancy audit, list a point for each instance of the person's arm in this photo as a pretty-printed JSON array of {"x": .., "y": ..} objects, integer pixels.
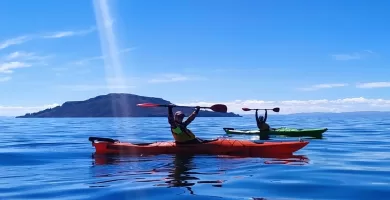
[
  {"x": 192, "y": 116},
  {"x": 265, "y": 116},
  {"x": 257, "y": 120},
  {"x": 170, "y": 116}
]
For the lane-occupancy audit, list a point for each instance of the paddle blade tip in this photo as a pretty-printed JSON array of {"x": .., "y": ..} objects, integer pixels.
[
  {"x": 276, "y": 109},
  {"x": 246, "y": 109},
  {"x": 147, "y": 105}
]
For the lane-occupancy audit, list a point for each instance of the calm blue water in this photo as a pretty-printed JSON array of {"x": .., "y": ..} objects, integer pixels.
[{"x": 52, "y": 159}]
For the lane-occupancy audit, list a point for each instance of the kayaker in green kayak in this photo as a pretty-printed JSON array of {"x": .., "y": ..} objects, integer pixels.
[
  {"x": 179, "y": 128},
  {"x": 261, "y": 122}
]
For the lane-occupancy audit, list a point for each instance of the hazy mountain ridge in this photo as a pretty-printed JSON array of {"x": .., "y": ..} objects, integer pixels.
[{"x": 116, "y": 105}]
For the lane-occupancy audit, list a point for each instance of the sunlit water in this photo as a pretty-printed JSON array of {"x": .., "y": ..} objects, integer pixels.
[{"x": 53, "y": 159}]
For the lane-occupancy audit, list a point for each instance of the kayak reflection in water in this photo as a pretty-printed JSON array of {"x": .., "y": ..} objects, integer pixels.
[
  {"x": 179, "y": 175},
  {"x": 261, "y": 122},
  {"x": 182, "y": 174},
  {"x": 180, "y": 132}
]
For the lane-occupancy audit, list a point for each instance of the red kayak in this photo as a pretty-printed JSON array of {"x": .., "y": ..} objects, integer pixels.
[{"x": 219, "y": 146}]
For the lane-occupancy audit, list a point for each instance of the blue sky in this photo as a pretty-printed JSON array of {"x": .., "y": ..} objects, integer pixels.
[{"x": 300, "y": 55}]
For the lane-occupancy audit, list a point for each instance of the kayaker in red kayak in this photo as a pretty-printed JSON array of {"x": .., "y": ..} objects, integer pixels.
[
  {"x": 179, "y": 128},
  {"x": 261, "y": 122}
]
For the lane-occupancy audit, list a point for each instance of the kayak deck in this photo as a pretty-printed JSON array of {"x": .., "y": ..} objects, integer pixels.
[
  {"x": 221, "y": 146},
  {"x": 291, "y": 132}
]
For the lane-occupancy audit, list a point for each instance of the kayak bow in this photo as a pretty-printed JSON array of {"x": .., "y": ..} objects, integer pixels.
[{"x": 220, "y": 146}]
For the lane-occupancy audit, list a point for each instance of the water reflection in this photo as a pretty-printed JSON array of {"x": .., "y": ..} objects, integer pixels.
[
  {"x": 278, "y": 137},
  {"x": 289, "y": 160},
  {"x": 283, "y": 159},
  {"x": 182, "y": 175},
  {"x": 184, "y": 171},
  {"x": 179, "y": 175}
]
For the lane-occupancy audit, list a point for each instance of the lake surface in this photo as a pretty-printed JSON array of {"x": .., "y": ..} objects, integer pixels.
[{"x": 53, "y": 159}]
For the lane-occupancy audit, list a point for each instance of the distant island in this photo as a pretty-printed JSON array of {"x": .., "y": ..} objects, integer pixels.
[{"x": 116, "y": 105}]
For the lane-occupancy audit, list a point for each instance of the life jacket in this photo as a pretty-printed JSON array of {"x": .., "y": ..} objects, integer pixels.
[{"x": 181, "y": 133}]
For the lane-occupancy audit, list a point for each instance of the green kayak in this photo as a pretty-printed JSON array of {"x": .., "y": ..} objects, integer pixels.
[{"x": 291, "y": 132}]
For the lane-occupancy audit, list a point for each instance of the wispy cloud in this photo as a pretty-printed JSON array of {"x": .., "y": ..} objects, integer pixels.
[
  {"x": 61, "y": 34},
  {"x": 352, "y": 56},
  {"x": 323, "y": 86},
  {"x": 10, "y": 66},
  {"x": 4, "y": 79},
  {"x": 86, "y": 61},
  {"x": 305, "y": 106},
  {"x": 26, "y": 56},
  {"x": 17, "y": 54},
  {"x": 54, "y": 35},
  {"x": 374, "y": 85},
  {"x": 14, "y": 41},
  {"x": 20, "y": 59}
]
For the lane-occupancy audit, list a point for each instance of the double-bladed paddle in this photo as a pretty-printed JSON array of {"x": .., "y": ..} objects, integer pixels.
[
  {"x": 216, "y": 107},
  {"x": 249, "y": 109}
]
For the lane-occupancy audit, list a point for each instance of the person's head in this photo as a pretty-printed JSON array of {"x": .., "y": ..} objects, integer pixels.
[
  {"x": 179, "y": 116},
  {"x": 261, "y": 118}
]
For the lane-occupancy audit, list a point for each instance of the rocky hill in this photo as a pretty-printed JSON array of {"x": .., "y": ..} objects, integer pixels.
[{"x": 116, "y": 105}]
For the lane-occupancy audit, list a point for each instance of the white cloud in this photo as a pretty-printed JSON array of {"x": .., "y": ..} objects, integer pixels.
[
  {"x": 21, "y": 110},
  {"x": 5, "y": 79},
  {"x": 14, "y": 41},
  {"x": 25, "y": 56},
  {"x": 62, "y": 34},
  {"x": 20, "y": 59},
  {"x": 10, "y": 66},
  {"x": 323, "y": 86},
  {"x": 305, "y": 106},
  {"x": 373, "y": 85},
  {"x": 352, "y": 56},
  {"x": 18, "y": 54}
]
